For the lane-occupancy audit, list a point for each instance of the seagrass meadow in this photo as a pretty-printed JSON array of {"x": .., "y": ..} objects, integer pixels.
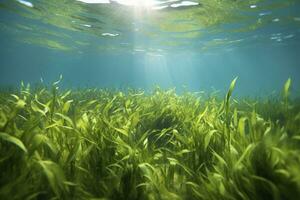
[{"x": 109, "y": 144}]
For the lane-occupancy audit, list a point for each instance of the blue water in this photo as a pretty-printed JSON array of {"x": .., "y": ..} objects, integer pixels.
[{"x": 93, "y": 46}]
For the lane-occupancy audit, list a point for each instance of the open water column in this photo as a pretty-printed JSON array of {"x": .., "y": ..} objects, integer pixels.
[{"x": 149, "y": 99}]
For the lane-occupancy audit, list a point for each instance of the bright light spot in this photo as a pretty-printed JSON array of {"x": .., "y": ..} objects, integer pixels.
[
  {"x": 275, "y": 37},
  {"x": 138, "y": 3},
  {"x": 87, "y": 25},
  {"x": 94, "y": 1},
  {"x": 110, "y": 34},
  {"x": 253, "y": 6},
  {"x": 275, "y": 20},
  {"x": 26, "y": 3},
  {"x": 265, "y": 13},
  {"x": 184, "y": 3}
]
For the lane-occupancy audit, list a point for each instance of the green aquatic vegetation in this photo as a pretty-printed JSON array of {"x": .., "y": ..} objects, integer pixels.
[{"x": 110, "y": 144}]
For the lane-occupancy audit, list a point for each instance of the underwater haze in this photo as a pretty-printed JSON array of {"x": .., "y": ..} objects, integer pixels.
[
  {"x": 198, "y": 45},
  {"x": 150, "y": 99}
]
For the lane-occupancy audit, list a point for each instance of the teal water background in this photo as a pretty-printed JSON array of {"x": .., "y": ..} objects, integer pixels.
[{"x": 111, "y": 45}]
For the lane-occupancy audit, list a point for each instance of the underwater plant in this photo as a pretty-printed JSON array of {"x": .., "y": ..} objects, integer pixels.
[{"x": 105, "y": 144}]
